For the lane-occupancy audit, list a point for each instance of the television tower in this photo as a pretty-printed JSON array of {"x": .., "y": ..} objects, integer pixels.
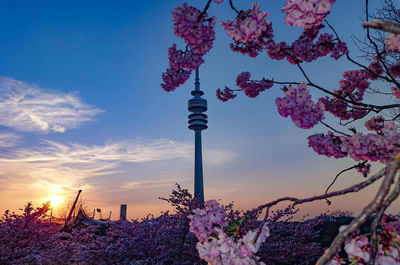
[{"x": 197, "y": 123}]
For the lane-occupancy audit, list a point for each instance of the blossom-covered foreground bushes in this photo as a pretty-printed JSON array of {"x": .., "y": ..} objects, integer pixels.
[{"x": 29, "y": 238}]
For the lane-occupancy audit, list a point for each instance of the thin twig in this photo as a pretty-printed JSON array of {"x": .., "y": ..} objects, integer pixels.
[
  {"x": 354, "y": 61},
  {"x": 233, "y": 7},
  {"x": 337, "y": 176},
  {"x": 333, "y": 129}
]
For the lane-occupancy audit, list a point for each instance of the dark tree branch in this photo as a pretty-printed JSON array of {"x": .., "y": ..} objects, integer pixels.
[
  {"x": 204, "y": 11},
  {"x": 296, "y": 201},
  {"x": 384, "y": 25},
  {"x": 378, "y": 218},
  {"x": 374, "y": 206},
  {"x": 375, "y": 108},
  {"x": 233, "y": 7}
]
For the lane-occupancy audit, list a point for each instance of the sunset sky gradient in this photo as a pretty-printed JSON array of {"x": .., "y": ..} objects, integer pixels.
[{"x": 81, "y": 107}]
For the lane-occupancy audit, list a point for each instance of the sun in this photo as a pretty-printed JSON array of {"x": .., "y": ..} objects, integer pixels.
[{"x": 55, "y": 200}]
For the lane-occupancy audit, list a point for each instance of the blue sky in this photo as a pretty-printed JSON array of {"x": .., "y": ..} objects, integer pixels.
[{"x": 82, "y": 107}]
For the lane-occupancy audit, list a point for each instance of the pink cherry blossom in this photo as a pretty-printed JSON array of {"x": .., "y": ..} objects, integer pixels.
[
  {"x": 197, "y": 31},
  {"x": 298, "y": 105},
  {"x": 217, "y": 247},
  {"x": 306, "y": 13},
  {"x": 173, "y": 78},
  {"x": 226, "y": 94},
  {"x": 252, "y": 88},
  {"x": 392, "y": 42},
  {"x": 250, "y": 31}
]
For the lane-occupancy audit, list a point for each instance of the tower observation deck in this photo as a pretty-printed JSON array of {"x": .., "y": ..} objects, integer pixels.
[{"x": 197, "y": 123}]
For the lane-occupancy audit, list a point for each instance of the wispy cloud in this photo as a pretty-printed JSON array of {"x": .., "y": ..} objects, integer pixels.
[
  {"x": 9, "y": 139},
  {"x": 119, "y": 151},
  {"x": 150, "y": 184},
  {"x": 73, "y": 164},
  {"x": 25, "y": 107},
  {"x": 218, "y": 157}
]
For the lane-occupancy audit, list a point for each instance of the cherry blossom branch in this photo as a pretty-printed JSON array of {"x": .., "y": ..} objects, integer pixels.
[
  {"x": 389, "y": 172},
  {"x": 278, "y": 82},
  {"x": 296, "y": 201},
  {"x": 375, "y": 108},
  {"x": 383, "y": 25}
]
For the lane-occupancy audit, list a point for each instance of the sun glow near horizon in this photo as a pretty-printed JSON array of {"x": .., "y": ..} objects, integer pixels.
[{"x": 55, "y": 199}]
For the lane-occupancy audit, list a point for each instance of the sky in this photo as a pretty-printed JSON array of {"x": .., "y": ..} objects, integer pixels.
[{"x": 81, "y": 107}]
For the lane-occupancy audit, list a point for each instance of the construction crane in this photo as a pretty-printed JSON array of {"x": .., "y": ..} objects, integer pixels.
[{"x": 72, "y": 209}]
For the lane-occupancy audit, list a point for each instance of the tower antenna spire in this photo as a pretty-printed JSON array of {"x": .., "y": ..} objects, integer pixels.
[{"x": 197, "y": 123}]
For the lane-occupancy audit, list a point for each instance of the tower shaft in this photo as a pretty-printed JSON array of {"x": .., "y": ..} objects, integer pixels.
[
  {"x": 197, "y": 123},
  {"x": 198, "y": 168}
]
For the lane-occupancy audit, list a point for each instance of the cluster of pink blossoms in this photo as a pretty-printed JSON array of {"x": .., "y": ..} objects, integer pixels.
[
  {"x": 206, "y": 219},
  {"x": 308, "y": 13},
  {"x": 198, "y": 32},
  {"x": 392, "y": 42},
  {"x": 225, "y": 95},
  {"x": 174, "y": 78},
  {"x": 216, "y": 246},
  {"x": 250, "y": 30},
  {"x": 364, "y": 169},
  {"x": 396, "y": 92},
  {"x": 250, "y": 87},
  {"x": 308, "y": 47},
  {"x": 180, "y": 59},
  {"x": 376, "y": 124},
  {"x": 375, "y": 147},
  {"x": 352, "y": 87},
  {"x": 379, "y": 146},
  {"x": 326, "y": 144},
  {"x": 298, "y": 105},
  {"x": 358, "y": 248}
]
